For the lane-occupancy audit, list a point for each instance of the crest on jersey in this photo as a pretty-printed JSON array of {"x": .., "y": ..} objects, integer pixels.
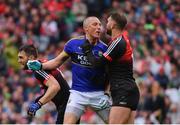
[{"x": 100, "y": 53}]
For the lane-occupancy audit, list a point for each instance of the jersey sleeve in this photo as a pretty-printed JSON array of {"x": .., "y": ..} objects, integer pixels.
[
  {"x": 68, "y": 48},
  {"x": 42, "y": 76},
  {"x": 116, "y": 49}
]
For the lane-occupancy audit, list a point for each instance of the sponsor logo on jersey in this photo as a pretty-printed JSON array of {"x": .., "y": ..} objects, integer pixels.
[{"x": 81, "y": 59}]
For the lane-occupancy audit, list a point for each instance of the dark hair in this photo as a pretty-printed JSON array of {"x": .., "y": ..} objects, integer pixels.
[
  {"x": 29, "y": 50},
  {"x": 120, "y": 19}
]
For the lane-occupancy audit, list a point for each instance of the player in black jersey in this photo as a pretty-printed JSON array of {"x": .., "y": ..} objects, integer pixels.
[
  {"x": 52, "y": 81},
  {"x": 119, "y": 58}
]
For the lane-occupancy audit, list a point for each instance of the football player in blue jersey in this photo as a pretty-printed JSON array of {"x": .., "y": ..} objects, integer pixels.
[{"x": 88, "y": 82}]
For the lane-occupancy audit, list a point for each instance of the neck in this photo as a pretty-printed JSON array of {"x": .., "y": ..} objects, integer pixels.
[
  {"x": 91, "y": 39},
  {"x": 116, "y": 33}
]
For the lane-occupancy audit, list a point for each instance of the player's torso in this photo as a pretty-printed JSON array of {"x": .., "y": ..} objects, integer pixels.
[
  {"x": 84, "y": 75},
  {"x": 122, "y": 67}
]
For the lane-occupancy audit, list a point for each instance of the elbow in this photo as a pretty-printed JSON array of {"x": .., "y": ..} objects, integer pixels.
[
  {"x": 56, "y": 87},
  {"x": 53, "y": 85}
]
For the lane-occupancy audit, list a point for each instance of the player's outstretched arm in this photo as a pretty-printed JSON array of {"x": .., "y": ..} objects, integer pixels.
[
  {"x": 49, "y": 65},
  {"x": 56, "y": 62}
]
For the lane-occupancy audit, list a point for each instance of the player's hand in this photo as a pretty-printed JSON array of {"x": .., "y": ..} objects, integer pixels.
[
  {"x": 34, "y": 65},
  {"x": 33, "y": 107},
  {"x": 104, "y": 102},
  {"x": 86, "y": 47}
]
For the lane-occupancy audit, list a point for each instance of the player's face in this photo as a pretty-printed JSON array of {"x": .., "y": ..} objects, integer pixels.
[
  {"x": 110, "y": 24},
  {"x": 22, "y": 59},
  {"x": 94, "y": 28}
]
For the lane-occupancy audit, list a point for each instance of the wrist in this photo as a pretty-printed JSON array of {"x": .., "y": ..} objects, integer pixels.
[
  {"x": 40, "y": 103},
  {"x": 41, "y": 67},
  {"x": 107, "y": 94}
]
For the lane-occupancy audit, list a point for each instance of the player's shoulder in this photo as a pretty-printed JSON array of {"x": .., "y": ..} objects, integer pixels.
[
  {"x": 102, "y": 44},
  {"x": 75, "y": 39}
]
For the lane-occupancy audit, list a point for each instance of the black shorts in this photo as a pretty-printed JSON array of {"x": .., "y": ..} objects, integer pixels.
[
  {"x": 126, "y": 95},
  {"x": 61, "y": 112},
  {"x": 60, "y": 100}
]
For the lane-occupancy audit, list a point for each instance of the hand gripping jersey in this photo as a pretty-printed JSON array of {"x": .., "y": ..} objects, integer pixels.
[
  {"x": 85, "y": 77},
  {"x": 43, "y": 75}
]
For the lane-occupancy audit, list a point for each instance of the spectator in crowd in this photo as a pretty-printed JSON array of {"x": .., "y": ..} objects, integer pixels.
[
  {"x": 162, "y": 78},
  {"x": 155, "y": 104}
]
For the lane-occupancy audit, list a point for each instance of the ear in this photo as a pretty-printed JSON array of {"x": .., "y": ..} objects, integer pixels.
[{"x": 85, "y": 29}]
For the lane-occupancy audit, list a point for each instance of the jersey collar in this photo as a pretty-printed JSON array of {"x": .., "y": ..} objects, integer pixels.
[
  {"x": 112, "y": 39},
  {"x": 96, "y": 42}
]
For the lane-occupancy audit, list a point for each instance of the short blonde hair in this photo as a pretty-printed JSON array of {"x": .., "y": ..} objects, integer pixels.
[{"x": 87, "y": 20}]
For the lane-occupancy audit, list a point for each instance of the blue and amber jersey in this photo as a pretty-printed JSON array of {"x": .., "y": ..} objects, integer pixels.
[{"x": 85, "y": 78}]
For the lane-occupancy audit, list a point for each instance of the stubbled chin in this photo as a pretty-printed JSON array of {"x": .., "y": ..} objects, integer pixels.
[
  {"x": 24, "y": 67},
  {"x": 97, "y": 36},
  {"x": 109, "y": 32}
]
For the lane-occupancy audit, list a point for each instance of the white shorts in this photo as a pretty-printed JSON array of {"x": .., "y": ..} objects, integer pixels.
[{"x": 78, "y": 101}]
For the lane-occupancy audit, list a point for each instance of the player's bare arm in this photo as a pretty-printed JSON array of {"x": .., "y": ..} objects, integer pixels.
[
  {"x": 53, "y": 88},
  {"x": 56, "y": 62}
]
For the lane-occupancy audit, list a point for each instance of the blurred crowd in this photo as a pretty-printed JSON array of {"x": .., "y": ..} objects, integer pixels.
[{"x": 153, "y": 28}]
